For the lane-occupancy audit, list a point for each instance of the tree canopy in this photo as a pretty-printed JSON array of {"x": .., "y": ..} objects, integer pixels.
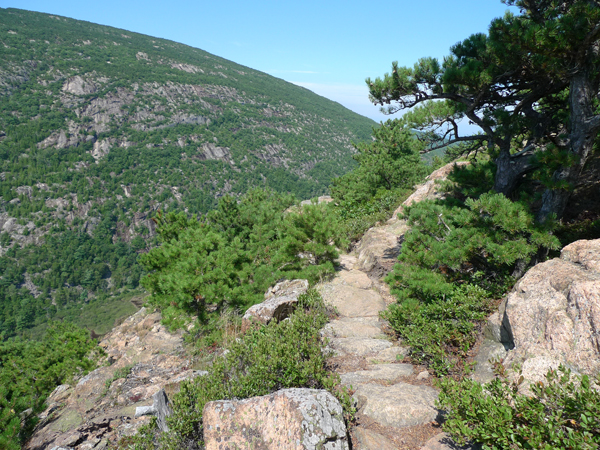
[{"x": 531, "y": 86}]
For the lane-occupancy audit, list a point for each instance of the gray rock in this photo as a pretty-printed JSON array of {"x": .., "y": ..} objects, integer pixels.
[
  {"x": 390, "y": 354},
  {"x": 350, "y": 301},
  {"x": 423, "y": 375},
  {"x": 160, "y": 408},
  {"x": 280, "y": 302},
  {"x": 358, "y": 346},
  {"x": 400, "y": 405},
  {"x": 365, "y": 439},
  {"x": 354, "y": 327},
  {"x": 379, "y": 248},
  {"x": 489, "y": 350},
  {"x": 382, "y": 372},
  {"x": 308, "y": 419},
  {"x": 552, "y": 314}
]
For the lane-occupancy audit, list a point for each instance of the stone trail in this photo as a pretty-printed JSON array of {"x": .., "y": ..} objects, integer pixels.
[
  {"x": 395, "y": 401},
  {"x": 395, "y": 409}
]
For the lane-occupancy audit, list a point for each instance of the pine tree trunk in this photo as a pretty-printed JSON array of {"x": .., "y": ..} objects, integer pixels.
[
  {"x": 510, "y": 170},
  {"x": 584, "y": 128}
]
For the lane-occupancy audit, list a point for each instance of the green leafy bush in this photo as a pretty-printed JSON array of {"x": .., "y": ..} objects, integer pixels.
[
  {"x": 277, "y": 356},
  {"x": 562, "y": 413},
  {"x": 442, "y": 330},
  {"x": 487, "y": 235},
  {"x": 390, "y": 162},
  {"x": 387, "y": 170}
]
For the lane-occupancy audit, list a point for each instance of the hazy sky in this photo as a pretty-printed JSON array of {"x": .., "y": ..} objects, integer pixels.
[{"x": 327, "y": 46}]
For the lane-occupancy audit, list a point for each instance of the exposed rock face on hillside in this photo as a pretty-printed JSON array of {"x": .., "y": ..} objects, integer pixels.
[{"x": 142, "y": 357}]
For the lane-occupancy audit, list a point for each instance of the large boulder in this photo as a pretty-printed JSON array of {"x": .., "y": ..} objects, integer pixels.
[
  {"x": 552, "y": 315},
  {"x": 280, "y": 301},
  {"x": 303, "y": 419}
]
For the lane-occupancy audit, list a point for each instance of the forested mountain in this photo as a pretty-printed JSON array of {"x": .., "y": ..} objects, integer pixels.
[{"x": 100, "y": 128}]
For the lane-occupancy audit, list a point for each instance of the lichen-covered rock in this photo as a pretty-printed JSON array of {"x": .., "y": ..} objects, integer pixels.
[
  {"x": 552, "y": 316},
  {"x": 302, "y": 419},
  {"x": 100, "y": 408},
  {"x": 280, "y": 301}
]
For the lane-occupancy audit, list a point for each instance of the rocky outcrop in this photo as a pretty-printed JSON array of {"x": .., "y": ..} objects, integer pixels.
[
  {"x": 101, "y": 149},
  {"x": 302, "y": 419},
  {"x": 212, "y": 152},
  {"x": 280, "y": 302},
  {"x": 142, "y": 358},
  {"x": 77, "y": 85},
  {"x": 552, "y": 315},
  {"x": 160, "y": 408}
]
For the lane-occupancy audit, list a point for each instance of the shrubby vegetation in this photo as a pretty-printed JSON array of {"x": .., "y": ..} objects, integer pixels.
[
  {"x": 277, "y": 356},
  {"x": 209, "y": 268},
  {"x": 29, "y": 372},
  {"x": 462, "y": 252},
  {"x": 561, "y": 413},
  {"x": 388, "y": 168},
  {"x": 66, "y": 259},
  {"x": 228, "y": 259},
  {"x": 458, "y": 256}
]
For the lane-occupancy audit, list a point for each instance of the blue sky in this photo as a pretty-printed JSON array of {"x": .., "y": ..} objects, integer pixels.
[{"x": 329, "y": 47}]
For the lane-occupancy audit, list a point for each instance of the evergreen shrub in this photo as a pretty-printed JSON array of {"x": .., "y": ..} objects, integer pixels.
[{"x": 562, "y": 413}]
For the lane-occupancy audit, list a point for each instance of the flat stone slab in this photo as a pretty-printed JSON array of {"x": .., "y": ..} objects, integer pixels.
[
  {"x": 354, "y": 278},
  {"x": 383, "y": 372},
  {"x": 359, "y": 327},
  {"x": 400, "y": 405},
  {"x": 347, "y": 262},
  {"x": 443, "y": 441},
  {"x": 358, "y": 346},
  {"x": 390, "y": 354},
  {"x": 365, "y": 439},
  {"x": 351, "y": 301}
]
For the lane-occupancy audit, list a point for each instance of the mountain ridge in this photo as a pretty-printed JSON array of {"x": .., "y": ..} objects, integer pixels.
[{"x": 101, "y": 127}]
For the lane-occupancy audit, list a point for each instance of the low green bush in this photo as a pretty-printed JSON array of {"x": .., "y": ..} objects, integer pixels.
[
  {"x": 562, "y": 413},
  {"x": 280, "y": 355},
  {"x": 440, "y": 332},
  {"x": 356, "y": 218},
  {"x": 229, "y": 258}
]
